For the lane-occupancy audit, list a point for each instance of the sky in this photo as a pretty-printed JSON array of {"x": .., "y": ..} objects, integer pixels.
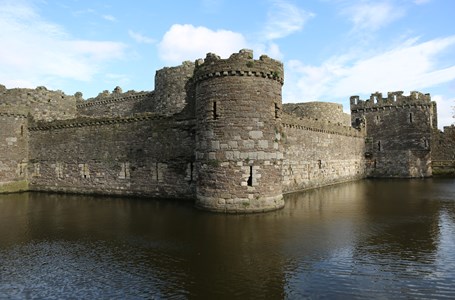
[{"x": 331, "y": 49}]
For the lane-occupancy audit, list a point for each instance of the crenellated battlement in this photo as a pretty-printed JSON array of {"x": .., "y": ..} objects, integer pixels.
[
  {"x": 106, "y": 97},
  {"x": 239, "y": 64},
  {"x": 394, "y": 99}
]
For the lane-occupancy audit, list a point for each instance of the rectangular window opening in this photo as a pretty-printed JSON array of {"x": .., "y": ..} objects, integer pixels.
[
  {"x": 215, "y": 111},
  {"x": 410, "y": 118},
  {"x": 250, "y": 179},
  {"x": 125, "y": 170},
  {"x": 22, "y": 130},
  {"x": 191, "y": 171},
  {"x": 320, "y": 164},
  {"x": 379, "y": 146}
]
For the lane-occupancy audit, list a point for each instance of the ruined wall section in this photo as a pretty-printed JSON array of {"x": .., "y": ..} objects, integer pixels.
[
  {"x": 41, "y": 103},
  {"x": 443, "y": 151},
  {"x": 399, "y": 132},
  {"x": 326, "y": 111},
  {"x": 144, "y": 155},
  {"x": 238, "y": 153},
  {"x": 173, "y": 93},
  {"x": 319, "y": 153},
  {"x": 115, "y": 104},
  {"x": 13, "y": 152}
]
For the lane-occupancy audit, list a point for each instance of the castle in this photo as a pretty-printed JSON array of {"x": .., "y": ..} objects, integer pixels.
[{"x": 215, "y": 132}]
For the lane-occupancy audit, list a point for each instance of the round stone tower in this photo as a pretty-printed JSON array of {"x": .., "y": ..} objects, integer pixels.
[
  {"x": 238, "y": 149},
  {"x": 171, "y": 88}
]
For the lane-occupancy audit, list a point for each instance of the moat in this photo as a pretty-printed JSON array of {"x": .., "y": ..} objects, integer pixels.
[{"x": 384, "y": 239}]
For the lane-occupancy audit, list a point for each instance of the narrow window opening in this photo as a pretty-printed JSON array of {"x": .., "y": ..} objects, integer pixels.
[
  {"x": 375, "y": 163},
  {"x": 377, "y": 118},
  {"x": 22, "y": 130},
  {"x": 375, "y": 99},
  {"x": 156, "y": 172},
  {"x": 250, "y": 179},
  {"x": 277, "y": 111},
  {"x": 215, "y": 111},
  {"x": 379, "y": 145},
  {"x": 191, "y": 171},
  {"x": 394, "y": 98},
  {"x": 356, "y": 101},
  {"x": 125, "y": 173},
  {"x": 410, "y": 118},
  {"x": 85, "y": 173},
  {"x": 320, "y": 164}
]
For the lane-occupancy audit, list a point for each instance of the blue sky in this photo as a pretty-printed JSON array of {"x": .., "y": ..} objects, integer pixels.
[{"x": 331, "y": 49}]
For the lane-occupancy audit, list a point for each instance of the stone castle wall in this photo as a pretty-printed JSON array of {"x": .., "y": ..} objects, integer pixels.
[
  {"x": 215, "y": 132},
  {"x": 173, "y": 92},
  {"x": 144, "y": 155},
  {"x": 115, "y": 104},
  {"x": 399, "y": 132},
  {"x": 39, "y": 102},
  {"x": 319, "y": 153},
  {"x": 443, "y": 151},
  {"x": 13, "y": 152}
]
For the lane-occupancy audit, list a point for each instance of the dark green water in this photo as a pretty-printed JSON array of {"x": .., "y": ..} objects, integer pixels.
[{"x": 368, "y": 239}]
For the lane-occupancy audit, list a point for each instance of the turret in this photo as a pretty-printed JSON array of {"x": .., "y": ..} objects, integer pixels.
[
  {"x": 399, "y": 130},
  {"x": 238, "y": 154}
]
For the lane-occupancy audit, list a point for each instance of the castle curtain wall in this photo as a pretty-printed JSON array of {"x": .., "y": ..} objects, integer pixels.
[
  {"x": 319, "y": 153},
  {"x": 13, "y": 152},
  {"x": 443, "y": 151},
  {"x": 143, "y": 155}
]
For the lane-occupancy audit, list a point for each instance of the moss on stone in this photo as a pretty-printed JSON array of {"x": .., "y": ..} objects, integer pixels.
[{"x": 14, "y": 186}]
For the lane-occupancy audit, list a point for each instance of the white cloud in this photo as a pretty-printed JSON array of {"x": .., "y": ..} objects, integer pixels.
[
  {"x": 445, "y": 110},
  {"x": 109, "y": 18},
  {"x": 39, "y": 51},
  {"x": 408, "y": 66},
  {"x": 187, "y": 42},
  {"x": 284, "y": 19},
  {"x": 140, "y": 38},
  {"x": 373, "y": 15}
]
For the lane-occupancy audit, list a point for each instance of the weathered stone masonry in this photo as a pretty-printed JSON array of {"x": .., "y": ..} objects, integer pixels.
[
  {"x": 214, "y": 132},
  {"x": 399, "y": 133}
]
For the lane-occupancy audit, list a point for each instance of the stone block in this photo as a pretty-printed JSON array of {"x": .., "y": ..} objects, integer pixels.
[{"x": 255, "y": 134}]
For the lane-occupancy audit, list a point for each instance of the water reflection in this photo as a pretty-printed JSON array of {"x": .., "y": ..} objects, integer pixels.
[{"x": 382, "y": 239}]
